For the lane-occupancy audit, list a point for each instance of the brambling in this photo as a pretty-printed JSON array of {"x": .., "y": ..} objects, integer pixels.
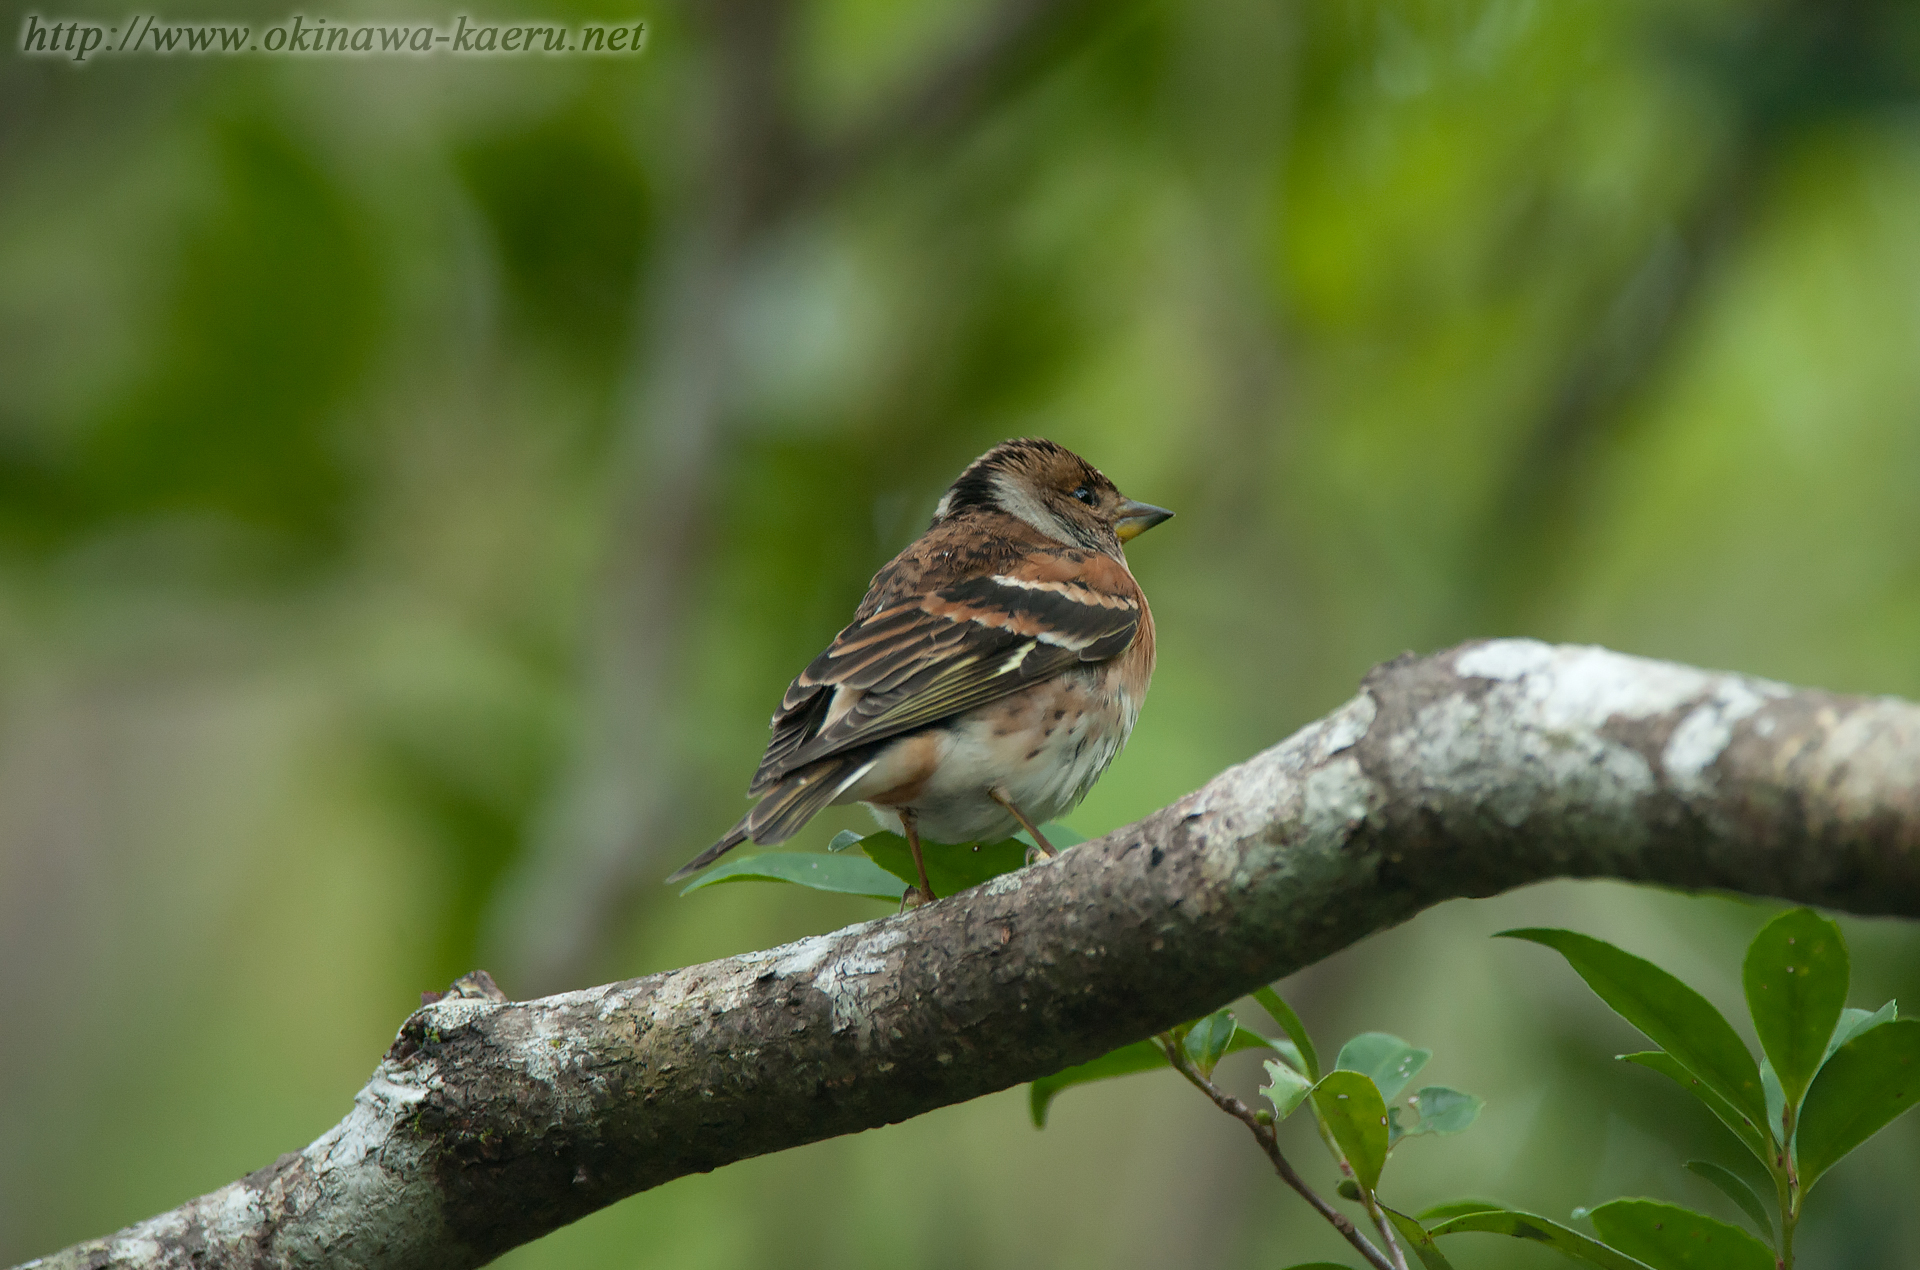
[{"x": 992, "y": 672}]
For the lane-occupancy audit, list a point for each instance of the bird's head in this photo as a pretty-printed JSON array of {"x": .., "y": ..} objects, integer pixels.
[{"x": 1053, "y": 489}]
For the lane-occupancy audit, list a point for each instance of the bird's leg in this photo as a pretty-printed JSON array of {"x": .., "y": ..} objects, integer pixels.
[
  {"x": 911, "y": 824},
  {"x": 1039, "y": 839}
]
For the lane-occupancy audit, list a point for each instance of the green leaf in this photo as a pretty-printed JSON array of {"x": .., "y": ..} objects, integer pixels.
[
  {"x": 1669, "y": 1237},
  {"x": 1796, "y": 975},
  {"x": 1350, "y": 1105},
  {"x": 844, "y": 839},
  {"x": 1868, "y": 1081},
  {"x": 1850, "y": 1024},
  {"x": 1674, "y": 1016},
  {"x": 1207, "y": 1040},
  {"x": 1442, "y": 1111},
  {"x": 1141, "y": 1056},
  {"x": 1247, "y": 1039},
  {"x": 951, "y": 868},
  {"x": 1460, "y": 1208},
  {"x": 1853, "y": 1022},
  {"x": 1288, "y": 1090},
  {"x": 1776, "y": 1101},
  {"x": 847, "y": 875},
  {"x": 1347, "y": 1188},
  {"x": 1751, "y": 1135},
  {"x": 1416, "y": 1237},
  {"x": 1287, "y": 1050},
  {"x": 1529, "y": 1226},
  {"x": 1318, "y": 1265},
  {"x": 1388, "y": 1059},
  {"x": 1735, "y": 1188},
  {"x": 1290, "y": 1024}
]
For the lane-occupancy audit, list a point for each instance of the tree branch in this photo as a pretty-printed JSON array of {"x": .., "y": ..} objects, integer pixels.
[{"x": 1465, "y": 773}]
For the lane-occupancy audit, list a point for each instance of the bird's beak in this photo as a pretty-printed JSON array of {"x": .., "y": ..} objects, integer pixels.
[{"x": 1136, "y": 518}]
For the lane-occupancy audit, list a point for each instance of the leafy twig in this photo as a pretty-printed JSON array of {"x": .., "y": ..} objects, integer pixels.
[
  {"x": 1265, "y": 1135},
  {"x": 1385, "y": 1228},
  {"x": 1787, "y": 1190}
]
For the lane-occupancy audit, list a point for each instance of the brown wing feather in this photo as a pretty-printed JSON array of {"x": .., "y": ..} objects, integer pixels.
[{"x": 947, "y": 627}]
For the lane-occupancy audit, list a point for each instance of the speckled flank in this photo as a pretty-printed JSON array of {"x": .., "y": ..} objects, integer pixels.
[{"x": 1043, "y": 747}]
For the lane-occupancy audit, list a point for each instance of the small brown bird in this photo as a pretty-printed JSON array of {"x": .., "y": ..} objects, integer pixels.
[{"x": 992, "y": 672}]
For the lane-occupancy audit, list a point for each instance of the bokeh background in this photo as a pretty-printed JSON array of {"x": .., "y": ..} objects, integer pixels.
[{"x": 419, "y": 478}]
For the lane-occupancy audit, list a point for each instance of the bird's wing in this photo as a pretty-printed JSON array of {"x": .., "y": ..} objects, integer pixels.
[{"x": 935, "y": 654}]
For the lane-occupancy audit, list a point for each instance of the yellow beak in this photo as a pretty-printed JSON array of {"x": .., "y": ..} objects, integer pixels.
[{"x": 1136, "y": 518}]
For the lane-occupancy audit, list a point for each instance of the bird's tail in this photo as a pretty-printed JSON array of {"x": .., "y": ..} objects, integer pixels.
[
  {"x": 785, "y": 808},
  {"x": 735, "y": 836}
]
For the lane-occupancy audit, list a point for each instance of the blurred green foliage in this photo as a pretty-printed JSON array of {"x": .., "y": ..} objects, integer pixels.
[
  {"x": 340, "y": 401},
  {"x": 566, "y": 201},
  {"x": 262, "y": 325}
]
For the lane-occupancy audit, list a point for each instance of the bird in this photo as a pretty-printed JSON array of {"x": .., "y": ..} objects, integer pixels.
[{"x": 994, "y": 669}]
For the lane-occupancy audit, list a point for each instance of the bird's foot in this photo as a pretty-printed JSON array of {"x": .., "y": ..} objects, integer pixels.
[{"x": 914, "y": 898}]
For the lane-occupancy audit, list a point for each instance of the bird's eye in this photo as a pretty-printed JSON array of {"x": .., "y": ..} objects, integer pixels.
[{"x": 1084, "y": 494}]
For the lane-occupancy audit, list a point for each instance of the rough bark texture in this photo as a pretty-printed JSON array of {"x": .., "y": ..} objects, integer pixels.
[{"x": 1466, "y": 773}]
